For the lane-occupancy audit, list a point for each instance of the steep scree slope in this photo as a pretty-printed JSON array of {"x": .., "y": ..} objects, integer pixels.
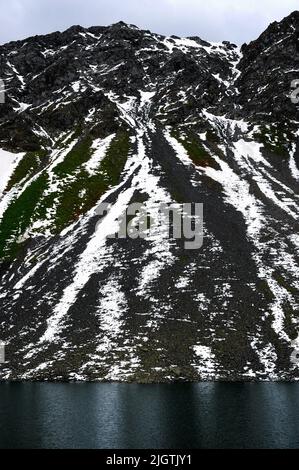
[{"x": 116, "y": 114}]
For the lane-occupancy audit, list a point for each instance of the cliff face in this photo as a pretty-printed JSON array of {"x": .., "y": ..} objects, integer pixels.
[{"x": 120, "y": 115}]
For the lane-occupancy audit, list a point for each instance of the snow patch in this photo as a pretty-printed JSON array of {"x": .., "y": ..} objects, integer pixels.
[{"x": 8, "y": 163}]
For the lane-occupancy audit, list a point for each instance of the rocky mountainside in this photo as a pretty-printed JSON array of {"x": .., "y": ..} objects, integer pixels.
[{"x": 120, "y": 115}]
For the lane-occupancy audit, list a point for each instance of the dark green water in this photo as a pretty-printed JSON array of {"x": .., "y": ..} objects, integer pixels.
[{"x": 181, "y": 416}]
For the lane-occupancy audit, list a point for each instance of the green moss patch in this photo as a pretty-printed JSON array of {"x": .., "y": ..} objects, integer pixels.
[
  {"x": 197, "y": 153},
  {"x": 80, "y": 154},
  {"x": 78, "y": 191},
  {"x": 18, "y": 217},
  {"x": 27, "y": 167},
  {"x": 263, "y": 287},
  {"x": 285, "y": 284},
  {"x": 80, "y": 195}
]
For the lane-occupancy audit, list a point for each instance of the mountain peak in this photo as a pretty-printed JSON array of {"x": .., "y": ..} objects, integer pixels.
[
  {"x": 277, "y": 35},
  {"x": 123, "y": 24},
  {"x": 75, "y": 29},
  {"x": 290, "y": 22},
  {"x": 293, "y": 17},
  {"x": 120, "y": 23}
]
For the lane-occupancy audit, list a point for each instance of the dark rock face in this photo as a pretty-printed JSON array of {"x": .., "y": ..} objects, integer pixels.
[
  {"x": 119, "y": 59},
  {"x": 268, "y": 66},
  {"x": 120, "y": 115}
]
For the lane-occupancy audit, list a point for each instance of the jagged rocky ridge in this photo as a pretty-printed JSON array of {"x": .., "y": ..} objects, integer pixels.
[{"x": 123, "y": 115}]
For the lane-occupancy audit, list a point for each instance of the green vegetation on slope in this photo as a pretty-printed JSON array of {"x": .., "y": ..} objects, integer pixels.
[
  {"x": 18, "y": 216},
  {"x": 28, "y": 166},
  {"x": 83, "y": 193},
  {"x": 75, "y": 158},
  {"x": 78, "y": 191},
  {"x": 198, "y": 154}
]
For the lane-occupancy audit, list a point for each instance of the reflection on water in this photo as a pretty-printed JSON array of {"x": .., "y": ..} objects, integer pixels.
[{"x": 185, "y": 416}]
